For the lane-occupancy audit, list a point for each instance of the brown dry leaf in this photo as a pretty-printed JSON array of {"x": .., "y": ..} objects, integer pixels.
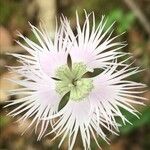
[
  {"x": 119, "y": 145},
  {"x": 7, "y": 85},
  {"x": 147, "y": 95},
  {"x": 5, "y": 38}
]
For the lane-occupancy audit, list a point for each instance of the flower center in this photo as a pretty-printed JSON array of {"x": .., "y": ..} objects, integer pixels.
[{"x": 70, "y": 80}]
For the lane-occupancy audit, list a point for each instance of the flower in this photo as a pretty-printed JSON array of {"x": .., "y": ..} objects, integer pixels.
[
  {"x": 61, "y": 88},
  {"x": 93, "y": 45},
  {"x": 100, "y": 108},
  {"x": 37, "y": 89}
]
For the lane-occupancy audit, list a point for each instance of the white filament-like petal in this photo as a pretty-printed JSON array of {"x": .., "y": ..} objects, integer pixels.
[
  {"x": 113, "y": 92},
  {"x": 46, "y": 55},
  {"x": 101, "y": 108},
  {"x": 39, "y": 99},
  {"x": 109, "y": 92},
  {"x": 78, "y": 117},
  {"x": 93, "y": 46}
]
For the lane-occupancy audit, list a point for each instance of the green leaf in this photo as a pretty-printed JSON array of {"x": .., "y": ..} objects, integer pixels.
[
  {"x": 124, "y": 20},
  {"x": 144, "y": 120},
  {"x": 64, "y": 101}
]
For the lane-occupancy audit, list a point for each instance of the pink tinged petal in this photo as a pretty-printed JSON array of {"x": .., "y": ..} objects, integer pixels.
[
  {"x": 79, "y": 116},
  {"x": 111, "y": 92},
  {"x": 51, "y": 61},
  {"x": 51, "y": 52},
  {"x": 98, "y": 101},
  {"x": 88, "y": 46},
  {"x": 32, "y": 46},
  {"x": 94, "y": 47},
  {"x": 48, "y": 97},
  {"x": 82, "y": 56},
  {"x": 41, "y": 101},
  {"x": 74, "y": 117}
]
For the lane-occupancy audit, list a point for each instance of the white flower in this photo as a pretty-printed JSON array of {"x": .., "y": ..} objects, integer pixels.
[
  {"x": 65, "y": 67},
  {"x": 39, "y": 97},
  {"x": 93, "y": 45},
  {"x": 100, "y": 108}
]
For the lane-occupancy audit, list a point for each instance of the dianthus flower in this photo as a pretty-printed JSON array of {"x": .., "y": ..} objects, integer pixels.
[{"x": 74, "y": 83}]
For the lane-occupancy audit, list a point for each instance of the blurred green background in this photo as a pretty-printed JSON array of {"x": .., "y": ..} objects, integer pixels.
[{"x": 132, "y": 16}]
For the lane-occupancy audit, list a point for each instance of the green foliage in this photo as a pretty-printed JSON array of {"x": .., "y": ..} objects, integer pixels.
[
  {"x": 137, "y": 123},
  {"x": 5, "y": 11},
  {"x": 9, "y": 8},
  {"x": 124, "y": 20},
  {"x": 4, "y": 121}
]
